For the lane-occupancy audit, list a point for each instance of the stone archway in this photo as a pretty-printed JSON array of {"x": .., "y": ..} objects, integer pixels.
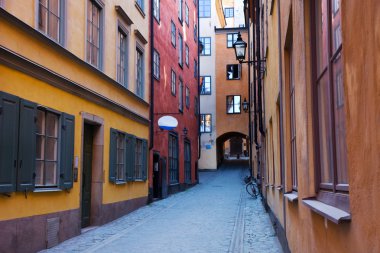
[{"x": 222, "y": 139}]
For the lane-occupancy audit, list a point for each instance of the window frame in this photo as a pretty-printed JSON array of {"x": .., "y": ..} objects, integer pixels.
[
  {"x": 187, "y": 97},
  {"x": 180, "y": 11},
  {"x": 203, "y": 87},
  {"x": 203, "y": 123},
  {"x": 122, "y": 30},
  {"x": 173, "y": 158},
  {"x": 228, "y": 10},
  {"x": 173, "y": 82},
  {"x": 187, "y": 11},
  {"x": 180, "y": 49},
  {"x": 232, "y": 39},
  {"x": 334, "y": 193},
  {"x": 173, "y": 34},
  {"x": 180, "y": 94},
  {"x": 100, "y": 6},
  {"x": 156, "y": 65},
  {"x": 239, "y": 72},
  {"x": 156, "y": 10},
  {"x": 139, "y": 50},
  {"x": 187, "y": 55},
  {"x": 204, "y": 9},
  {"x": 233, "y": 105},
  {"x": 140, "y": 4},
  {"x": 205, "y": 41},
  {"x": 62, "y": 21}
]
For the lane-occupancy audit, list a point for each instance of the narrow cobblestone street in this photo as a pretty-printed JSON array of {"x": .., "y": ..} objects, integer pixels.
[{"x": 217, "y": 215}]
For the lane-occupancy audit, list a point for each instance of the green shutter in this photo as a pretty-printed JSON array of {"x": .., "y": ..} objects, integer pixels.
[
  {"x": 27, "y": 146},
  {"x": 67, "y": 151},
  {"x": 145, "y": 156},
  {"x": 113, "y": 151},
  {"x": 9, "y": 116},
  {"x": 130, "y": 156}
]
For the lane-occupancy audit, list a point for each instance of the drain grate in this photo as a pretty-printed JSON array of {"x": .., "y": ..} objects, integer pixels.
[{"x": 52, "y": 229}]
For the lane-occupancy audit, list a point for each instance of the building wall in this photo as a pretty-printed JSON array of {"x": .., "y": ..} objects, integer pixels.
[
  {"x": 35, "y": 68},
  {"x": 208, "y": 102},
  {"x": 229, "y": 122},
  {"x": 165, "y": 103},
  {"x": 305, "y": 229}
]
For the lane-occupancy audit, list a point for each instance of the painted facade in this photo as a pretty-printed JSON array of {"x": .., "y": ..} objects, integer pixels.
[
  {"x": 174, "y": 153},
  {"x": 208, "y": 84},
  {"x": 319, "y": 95},
  {"x": 231, "y": 90},
  {"x": 71, "y": 99}
]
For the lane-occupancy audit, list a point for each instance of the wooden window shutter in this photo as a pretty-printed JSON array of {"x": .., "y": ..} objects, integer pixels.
[
  {"x": 113, "y": 151},
  {"x": 144, "y": 168},
  {"x": 9, "y": 116},
  {"x": 130, "y": 156},
  {"x": 27, "y": 146},
  {"x": 67, "y": 151}
]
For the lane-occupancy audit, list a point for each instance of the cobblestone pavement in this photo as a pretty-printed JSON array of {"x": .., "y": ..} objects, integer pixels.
[{"x": 217, "y": 215}]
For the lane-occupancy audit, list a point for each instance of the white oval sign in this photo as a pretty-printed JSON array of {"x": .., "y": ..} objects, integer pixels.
[{"x": 167, "y": 122}]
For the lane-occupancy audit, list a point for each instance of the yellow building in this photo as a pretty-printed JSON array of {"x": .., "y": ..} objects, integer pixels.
[
  {"x": 74, "y": 115},
  {"x": 317, "y": 153}
]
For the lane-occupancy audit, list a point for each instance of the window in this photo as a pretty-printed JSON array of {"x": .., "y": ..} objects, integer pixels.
[
  {"x": 120, "y": 157},
  {"x": 173, "y": 33},
  {"x": 206, "y": 42},
  {"x": 140, "y": 4},
  {"x": 187, "y": 14},
  {"x": 206, "y": 85},
  {"x": 37, "y": 148},
  {"x": 173, "y": 158},
  {"x": 139, "y": 72},
  {"x": 233, "y": 104},
  {"x": 204, "y": 8},
  {"x": 180, "y": 49},
  {"x": 231, "y": 39},
  {"x": 139, "y": 159},
  {"x": 205, "y": 123},
  {"x": 180, "y": 95},
  {"x": 180, "y": 12},
  {"x": 128, "y": 157},
  {"x": 50, "y": 19},
  {"x": 229, "y": 12},
  {"x": 187, "y": 96},
  {"x": 173, "y": 83},
  {"x": 195, "y": 69},
  {"x": 195, "y": 32},
  {"x": 233, "y": 71},
  {"x": 156, "y": 9},
  {"x": 122, "y": 57},
  {"x": 94, "y": 34},
  {"x": 187, "y": 55},
  {"x": 331, "y": 148},
  {"x": 156, "y": 64},
  {"x": 187, "y": 151}
]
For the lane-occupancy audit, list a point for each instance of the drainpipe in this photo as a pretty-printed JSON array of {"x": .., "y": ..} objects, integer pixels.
[
  {"x": 258, "y": 58},
  {"x": 282, "y": 160},
  {"x": 151, "y": 109},
  {"x": 249, "y": 107}
]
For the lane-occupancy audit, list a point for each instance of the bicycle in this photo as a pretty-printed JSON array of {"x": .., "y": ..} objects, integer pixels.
[{"x": 251, "y": 186}]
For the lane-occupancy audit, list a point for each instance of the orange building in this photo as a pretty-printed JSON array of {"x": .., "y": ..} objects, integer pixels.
[
  {"x": 318, "y": 160},
  {"x": 231, "y": 91}
]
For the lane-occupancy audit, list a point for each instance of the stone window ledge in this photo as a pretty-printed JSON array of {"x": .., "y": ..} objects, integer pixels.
[
  {"x": 292, "y": 196},
  {"x": 331, "y": 213}
]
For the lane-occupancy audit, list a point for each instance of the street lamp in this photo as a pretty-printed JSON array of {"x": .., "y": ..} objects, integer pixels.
[
  {"x": 240, "y": 47},
  {"x": 245, "y": 105}
]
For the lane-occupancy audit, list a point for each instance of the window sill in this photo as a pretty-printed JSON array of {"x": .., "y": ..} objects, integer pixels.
[
  {"x": 292, "y": 196},
  {"x": 279, "y": 188},
  {"x": 47, "y": 190},
  {"x": 120, "y": 182},
  {"x": 331, "y": 213}
]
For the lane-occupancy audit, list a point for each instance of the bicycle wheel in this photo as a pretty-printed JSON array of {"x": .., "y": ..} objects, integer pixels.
[{"x": 250, "y": 188}]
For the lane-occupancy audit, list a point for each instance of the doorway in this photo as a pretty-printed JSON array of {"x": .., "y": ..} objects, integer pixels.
[
  {"x": 156, "y": 176},
  {"x": 88, "y": 137}
]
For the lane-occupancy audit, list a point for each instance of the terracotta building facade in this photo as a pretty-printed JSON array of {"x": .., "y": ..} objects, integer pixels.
[
  {"x": 317, "y": 147},
  {"x": 175, "y": 68}
]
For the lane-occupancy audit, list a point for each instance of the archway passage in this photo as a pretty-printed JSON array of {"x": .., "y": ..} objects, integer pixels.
[{"x": 232, "y": 145}]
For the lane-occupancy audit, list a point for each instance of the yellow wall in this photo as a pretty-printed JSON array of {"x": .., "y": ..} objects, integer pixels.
[{"x": 69, "y": 66}]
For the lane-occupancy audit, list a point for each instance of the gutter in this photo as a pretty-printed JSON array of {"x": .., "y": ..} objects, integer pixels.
[{"x": 151, "y": 109}]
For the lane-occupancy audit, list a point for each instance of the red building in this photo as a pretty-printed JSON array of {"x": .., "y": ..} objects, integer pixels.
[{"x": 174, "y": 40}]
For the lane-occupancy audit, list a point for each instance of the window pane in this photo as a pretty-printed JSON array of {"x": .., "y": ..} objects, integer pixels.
[
  {"x": 54, "y": 27},
  {"x": 51, "y": 125},
  {"x": 51, "y": 149},
  {"x": 335, "y": 25},
  {"x": 321, "y": 35},
  {"x": 237, "y": 104},
  {"x": 51, "y": 173},
  {"x": 40, "y": 148},
  {"x": 40, "y": 122},
  {"x": 42, "y": 19},
  {"x": 54, "y": 7},
  {"x": 325, "y": 145},
  {"x": 39, "y": 173}
]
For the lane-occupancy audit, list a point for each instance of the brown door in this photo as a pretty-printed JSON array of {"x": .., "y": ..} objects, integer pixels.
[{"x": 87, "y": 174}]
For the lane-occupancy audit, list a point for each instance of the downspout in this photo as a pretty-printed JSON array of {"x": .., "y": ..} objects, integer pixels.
[
  {"x": 258, "y": 59},
  {"x": 151, "y": 109},
  {"x": 199, "y": 90},
  {"x": 249, "y": 107},
  {"x": 282, "y": 160}
]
